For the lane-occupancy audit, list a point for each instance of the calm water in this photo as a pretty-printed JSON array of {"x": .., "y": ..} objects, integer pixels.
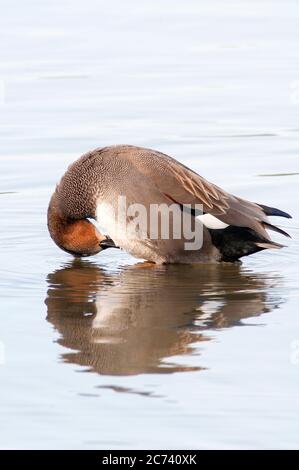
[{"x": 106, "y": 352}]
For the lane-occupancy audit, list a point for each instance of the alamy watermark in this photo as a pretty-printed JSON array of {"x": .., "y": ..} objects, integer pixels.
[{"x": 155, "y": 221}]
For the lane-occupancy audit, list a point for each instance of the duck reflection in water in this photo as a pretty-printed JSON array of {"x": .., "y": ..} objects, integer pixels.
[{"x": 133, "y": 321}]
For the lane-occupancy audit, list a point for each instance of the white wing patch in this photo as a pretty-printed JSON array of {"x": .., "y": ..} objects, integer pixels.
[{"x": 211, "y": 222}]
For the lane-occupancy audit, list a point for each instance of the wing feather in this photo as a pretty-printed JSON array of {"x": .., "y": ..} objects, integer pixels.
[{"x": 184, "y": 186}]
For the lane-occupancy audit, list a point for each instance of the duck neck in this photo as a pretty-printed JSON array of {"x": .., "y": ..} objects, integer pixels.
[{"x": 58, "y": 224}]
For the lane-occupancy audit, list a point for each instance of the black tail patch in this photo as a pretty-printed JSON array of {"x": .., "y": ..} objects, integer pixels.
[{"x": 234, "y": 242}]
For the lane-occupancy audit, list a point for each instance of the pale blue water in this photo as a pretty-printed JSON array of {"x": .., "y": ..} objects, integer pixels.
[{"x": 104, "y": 353}]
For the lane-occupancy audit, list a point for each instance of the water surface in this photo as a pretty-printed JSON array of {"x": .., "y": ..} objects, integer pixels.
[{"x": 108, "y": 352}]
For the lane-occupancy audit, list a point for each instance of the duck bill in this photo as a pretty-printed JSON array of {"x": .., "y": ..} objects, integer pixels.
[{"x": 107, "y": 243}]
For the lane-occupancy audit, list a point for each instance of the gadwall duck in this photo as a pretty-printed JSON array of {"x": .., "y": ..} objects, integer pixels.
[{"x": 93, "y": 185}]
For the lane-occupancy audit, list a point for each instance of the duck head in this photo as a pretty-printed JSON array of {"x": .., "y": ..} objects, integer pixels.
[{"x": 78, "y": 237}]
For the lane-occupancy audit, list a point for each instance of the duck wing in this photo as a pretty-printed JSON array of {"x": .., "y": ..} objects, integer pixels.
[{"x": 182, "y": 185}]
